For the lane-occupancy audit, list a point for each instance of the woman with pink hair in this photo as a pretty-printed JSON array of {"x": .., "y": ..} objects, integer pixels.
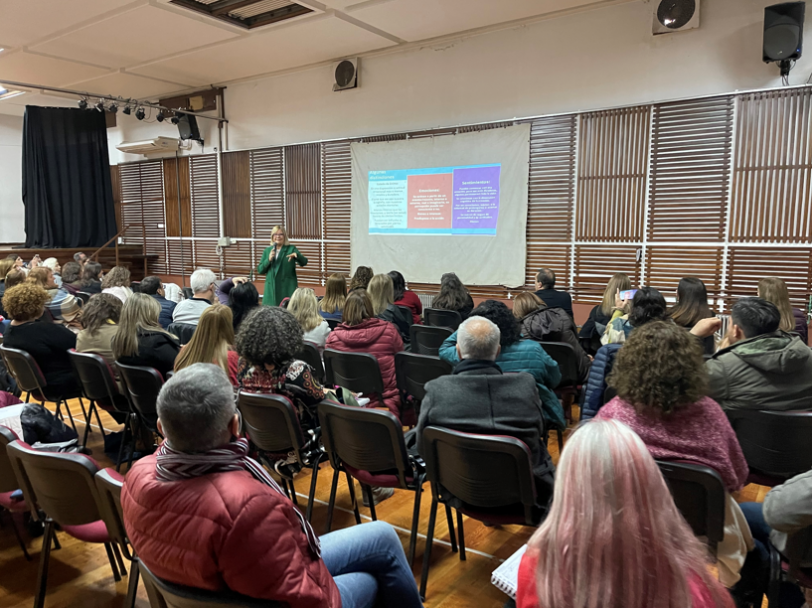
[{"x": 613, "y": 537}]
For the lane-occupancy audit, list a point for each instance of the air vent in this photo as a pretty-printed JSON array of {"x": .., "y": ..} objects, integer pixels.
[{"x": 246, "y": 13}]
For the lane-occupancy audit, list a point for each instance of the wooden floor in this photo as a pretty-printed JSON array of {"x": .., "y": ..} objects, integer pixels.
[{"x": 80, "y": 574}]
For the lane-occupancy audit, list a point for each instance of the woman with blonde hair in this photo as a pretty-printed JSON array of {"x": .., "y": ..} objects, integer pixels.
[
  {"x": 100, "y": 317},
  {"x": 613, "y": 536},
  {"x": 278, "y": 264},
  {"x": 304, "y": 307},
  {"x": 601, "y": 315},
  {"x": 335, "y": 293},
  {"x": 793, "y": 320},
  {"x": 382, "y": 294},
  {"x": 140, "y": 339},
  {"x": 117, "y": 282},
  {"x": 212, "y": 342},
  {"x": 6, "y": 266}
]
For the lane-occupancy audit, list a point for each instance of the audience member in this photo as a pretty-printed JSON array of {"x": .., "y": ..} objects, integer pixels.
[
  {"x": 661, "y": 385},
  {"x": 153, "y": 286},
  {"x": 404, "y": 297},
  {"x": 53, "y": 264},
  {"x": 91, "y": 278},
  {"x": 80, "y": 258},
  {"x": 614, "y": 536},
  {"x": 62, "y": 306},
  {"x": 363, "y": 275},
  {"x": 47, "y": 343},
  {"x": 71, "y": 278},
  {"x": 16, "y": 276},
  {"x": 553, "y": 298},
  {"x": 362, "y": 332},
  {"x": 244, "y": 299},
  {"x": 223, "y": 290},
  {"x": 601, "y": 315},
  {"x": 16, "y": 259},
  {"x": 544, "y": 324},
  {"x": 647, "y": 305},
  {"x": 479, "y": 398},
  {"x": 331, "y": 306},
  {"x": 5, "y": 267},
  {"x": 382, "y": 295},
  {"x": 140, "y": 340},
  {"x": 793, "y": 320},
  {"x": 453, "y": 296},
  {"x": 203, "y": 285},
  {"x": 212, "y": 342},
  {"x": 117, "y": 282},
  {"x": 227, "y": 512},
  {"x": 100, "y": 317},
  {"x": 517, "y": 355},
  {"x": 692, "y": 307},
  {"x": 304, "y": 307}
]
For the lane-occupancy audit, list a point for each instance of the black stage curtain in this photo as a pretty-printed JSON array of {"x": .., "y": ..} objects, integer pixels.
[{"x": 67, "y": 189}]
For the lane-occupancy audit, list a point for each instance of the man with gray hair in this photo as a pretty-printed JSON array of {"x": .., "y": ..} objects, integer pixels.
[
  {"x": 479, "y": 398},
  {"x": 200, "y": 512},
  {"x": 203, "y": 283}
]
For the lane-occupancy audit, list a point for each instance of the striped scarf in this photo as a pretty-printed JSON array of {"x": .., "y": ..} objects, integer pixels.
[{"x": 177, "y": 466}]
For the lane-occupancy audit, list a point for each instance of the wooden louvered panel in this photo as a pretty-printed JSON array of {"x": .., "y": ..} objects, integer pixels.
[
  {"x": 613, "y": 152},
  {"x": 205, "y": 255},
  {"x": 236, "y": 170},
  {"x": 310, "y": 275},
  {"x": 131, "y": 209},
  {"x": 690, "y": 169},
  {"x": 177, "y": 198},
  {"x": 238, "y": 259},
  {"x": 772, "y": 178},
  {"x": 595, "y": 265},
  {"x": 336, "y": 172},
  {"x": 547, "y": 255},
  {"x": 180, "y": 256},
  {"x": 303, "y": 191},
  {"x": 665, "y": 267},
  {"x": 205, "y": 191},
  {"x": 267, "y": 192},
  {"x": 337, "y": 259},
  {"x": 747, "y": 265}
]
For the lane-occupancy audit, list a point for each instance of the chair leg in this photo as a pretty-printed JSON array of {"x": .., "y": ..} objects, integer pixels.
[
  {"x": 418, "y": 492},
  {"x": 132, "y": 586},
  {"x": 85, "y": 413},
  {"x": 44, "y": 559},
  {"x": 312, "y": 496},
  {"x": 98, "y": 418},
  {"x": 461, "y": 531},
  {"x": 70, "y": 417},
  {"x": 112, "y": 561},
  {"x": 560, "y": 440},
  {"x": 332, "y": 502},
  {"x": 119, "y": 559},
  {"x": 293, "y": 492},
  {"x": 87, "y": 424},
  {"x": 19, "y": 536},
  {"x": 123, "y": 443},
  {"x": 424, "y": 579},
  {"x": 57, "y": 546},
  {"x": 351, "y": 485},
  {"x": 451, "y": 533},
  {"x": 367, "y": 490},
  {"x": 774, "y": 587}
]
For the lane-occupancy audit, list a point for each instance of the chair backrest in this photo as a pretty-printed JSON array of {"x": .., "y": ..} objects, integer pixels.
[
  {"x": 775, "y": 443},
  {"x": 60, "y": 484},
  {"x": 188, "y": 293},
  {"x": 163, "y": 594},
  {"x": 369, "y": 440},
  {"x": 271, "y": 422},
  {"x": 358, "y": 372},
  {"x": 427, "y": 339},
  {"x": 8, "y": 478},
  {"x": 699, "y": 494},
  {"x": 563, "y": 354},
  {"x": 96, "y": 378},
  {"x": 143, "y": 384},
  {"x": 310, "y": 355},
  {"x": 480, "y": 470},
  {"x": 407, "y": 313},
  {"x": 184, "y": 331},
  {"x": 83, "y": 296},
  {"x": 333, "y": 323},
  {"x": 25, "y": 370},
  {"x": 440, "y": 317},
  {"x": 413, "y": 371},
  {"x": 109, "y": 484}
]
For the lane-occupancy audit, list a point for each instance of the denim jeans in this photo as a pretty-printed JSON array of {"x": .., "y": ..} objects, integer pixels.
[{"x": 369, "y": 565}]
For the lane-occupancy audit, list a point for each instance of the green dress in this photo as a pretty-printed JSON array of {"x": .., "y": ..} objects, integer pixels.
[{"x": 280, "y": 275}]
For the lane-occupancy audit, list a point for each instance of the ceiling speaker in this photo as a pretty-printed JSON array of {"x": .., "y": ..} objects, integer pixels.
[
  {"x": 783, "y": 31},
  {"x": 345, "y": 73},
  {"x": 675, "y": 16}
]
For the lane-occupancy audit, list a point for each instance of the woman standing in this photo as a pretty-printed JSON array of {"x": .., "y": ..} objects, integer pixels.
[{"x": 278, "y": 264}]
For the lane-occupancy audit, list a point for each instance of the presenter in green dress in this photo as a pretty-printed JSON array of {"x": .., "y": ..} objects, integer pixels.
[{"x": 278, "y": 264}]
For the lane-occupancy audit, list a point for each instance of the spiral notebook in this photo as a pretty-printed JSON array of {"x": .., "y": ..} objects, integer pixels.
[{"x": 505, "y": 577}]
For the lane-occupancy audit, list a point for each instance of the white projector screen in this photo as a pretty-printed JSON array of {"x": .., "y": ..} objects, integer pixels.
[{"x": 456, "y": 203}]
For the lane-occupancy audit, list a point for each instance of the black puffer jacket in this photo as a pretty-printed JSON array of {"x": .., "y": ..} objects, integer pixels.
[{"x": 555, "y": 325}]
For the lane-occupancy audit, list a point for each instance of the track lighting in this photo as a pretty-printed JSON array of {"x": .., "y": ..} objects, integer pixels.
[
  {"x": 100, "y": 105},
  {"x": 174, "y": 120},
  {"x": 140, "y": 114},
  {"x": 82, "y": 104},
  {"x": 113, "y": 108},
  {"x": 160, "y": 116},
  {"x": 127, "y": 110}
]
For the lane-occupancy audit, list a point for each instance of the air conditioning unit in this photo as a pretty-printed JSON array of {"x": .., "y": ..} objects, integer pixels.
[{"x": 158, "y": 145}]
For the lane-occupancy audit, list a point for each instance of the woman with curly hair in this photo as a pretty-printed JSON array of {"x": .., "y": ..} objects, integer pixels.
[
  {"x": 363, "y": 275},
  {"x": 453, "y": 296},
  {"x": 100, "y": 318},
  {"x": 212, "y": 342},
  {"x": 117, "y": 282},
  {"x": 517, "y": 355}
]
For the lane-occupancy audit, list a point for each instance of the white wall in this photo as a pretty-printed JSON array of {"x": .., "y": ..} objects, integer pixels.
[{"x": 12, "y": 211}]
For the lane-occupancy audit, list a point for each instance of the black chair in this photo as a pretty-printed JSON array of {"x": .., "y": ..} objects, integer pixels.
[
  {"x": 357, "y": 372},
  {"x": 776, "y": 445},
  {"x": 485, "y": 477},
  {"x": 9, "y": 485},
  {"x": 412, "y": 372},
  {"x": 310, "y": 355},
  {"x": 369, "y": 446},
  {"x": 569, "y": 387},
  {"x": 188, "y": 294},
  {"x": 788, "y": 564},
  {"x": 84, "y": 297},
  {"x": 184, "y": 331},
  {"x": 407, "y": 312},
  {"x": 427, "y": 340},
  {"x": 143, "y": 385},
  {"x": 333, "y": 323},
  {"x": 699, "y": 494},
  {"x": 439, "y": 317},
  {"x": 272, "y": 425}
]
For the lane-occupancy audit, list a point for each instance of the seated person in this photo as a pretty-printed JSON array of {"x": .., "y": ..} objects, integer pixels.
[
  {"x": 55, "y": 267},
  {"x": 223, "y": 290},
  {"x": 140, "y": 340},
  {"x": 360, "y": 280},
  {"x": 304, "y": 307},
  {"x": 331, "y": 306},
  {"x": 692, "y": 307},
  {"x": 244, "y": 299},
  {"x": 152, "y": 286},
  {"x": 517, "y": 355},
  {"x": 600, "y": 315},
  {"x": 91, "y": 281},
  {"x": 405, "y": 297},
  {"x": 100, "y": 317},
  {"x": 545, "y": 289},
  {"x": 203, "y": 285},
  {"x": 5, "y": 267},
  {"x": 382, "y": 294},
  {"x": 648, "y": 304},
  {"x": 479, "y": 398},
  {"x": 71, "y": 278},
  {"x": 212, "y": 342},
  {"x": 793, "y": 320},
  {"x": 201, "y": 513},
  {"x": 626, "y": 543},
  {"x": 62, "y": 306},
  {"x": 453, "y": 296},
  {"x": 117, "y": 282}
]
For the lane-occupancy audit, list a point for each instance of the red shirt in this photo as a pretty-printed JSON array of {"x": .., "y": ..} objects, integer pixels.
[{"x": 412, "y": 301}]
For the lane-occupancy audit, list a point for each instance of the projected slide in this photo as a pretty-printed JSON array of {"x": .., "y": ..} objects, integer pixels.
[{"x": 437, "y": 201}]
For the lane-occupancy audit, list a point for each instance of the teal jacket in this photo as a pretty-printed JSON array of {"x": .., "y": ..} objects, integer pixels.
[
  {"x": 280, "y": 279},
  {"x": 524, "y": 356}
]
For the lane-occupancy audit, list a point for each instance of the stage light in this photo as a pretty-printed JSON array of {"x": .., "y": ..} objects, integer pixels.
[
  {"x": 139, "y": 113},
  {"x": 127, "y": 110},
  {"x": 174, "y": 120},
  {"x": 160, "y": 116},
  {"x": 113, "y": 108},
  {"x": 82, "y": 104},
  {"x": 100, "y": 105}
]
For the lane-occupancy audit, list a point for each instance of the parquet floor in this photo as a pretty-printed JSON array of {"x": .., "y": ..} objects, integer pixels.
[{"x": 80, "y": 575}]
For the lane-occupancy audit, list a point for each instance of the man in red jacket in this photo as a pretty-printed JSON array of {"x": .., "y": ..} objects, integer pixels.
[{"x": 201, "y": 513}]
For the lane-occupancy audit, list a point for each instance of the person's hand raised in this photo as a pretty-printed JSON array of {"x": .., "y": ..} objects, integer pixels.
[{"x": 707, "y": 327}]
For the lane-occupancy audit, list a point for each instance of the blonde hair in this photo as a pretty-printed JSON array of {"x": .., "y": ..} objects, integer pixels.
[
  {"x": 139, "y": 313},
  {"x": 5, "y": 267},
  {"x": 357, "y": 308},
  {"x": 619, "y": 281},
  {"x": 381, "y": 292},
  {"x": 39, "y": 276},
  {"x": 276, "y": 229},
  {"x": 525, "y": 303},
  {"x": 211, "y": 341},
  {"x": 305, "y": 307},
  {"x": 335, "y": 293},
  {"x": 775, "y": 290}
]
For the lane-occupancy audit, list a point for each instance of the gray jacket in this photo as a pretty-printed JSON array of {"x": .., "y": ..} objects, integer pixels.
[
  {"x": 768, "y": 372},
  {"x": 787, "y": 510}
]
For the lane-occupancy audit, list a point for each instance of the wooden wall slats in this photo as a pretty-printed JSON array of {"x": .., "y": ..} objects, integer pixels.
[
  {"x": 303, "y": 191},
  {"x": 236, "y": 168},
  {"x": 665, "y": 266},
  {"x": 176, "y": 177},
  {"x": 595, "y": 265}
]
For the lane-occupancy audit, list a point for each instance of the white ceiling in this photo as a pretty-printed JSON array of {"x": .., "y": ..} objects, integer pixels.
[{"x": 148, "y": 48}]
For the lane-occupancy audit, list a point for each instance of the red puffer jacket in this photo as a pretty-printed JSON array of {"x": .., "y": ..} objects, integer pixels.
[
  {"x": 376, "y": 337},
  {"x": 224, "y": 531}
]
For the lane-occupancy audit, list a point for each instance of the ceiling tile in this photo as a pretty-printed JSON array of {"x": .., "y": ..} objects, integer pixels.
[
  {"x": 134, "y": 37},
  {"x": 302, "y": 43},
  {"x": 36, "y": 69},
  {"x": 128, "y": 86}
]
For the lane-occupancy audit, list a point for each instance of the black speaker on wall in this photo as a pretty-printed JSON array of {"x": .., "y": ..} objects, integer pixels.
[
  {"x": 784, "y": 33},
  {"x": 187, "y": 127}
]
